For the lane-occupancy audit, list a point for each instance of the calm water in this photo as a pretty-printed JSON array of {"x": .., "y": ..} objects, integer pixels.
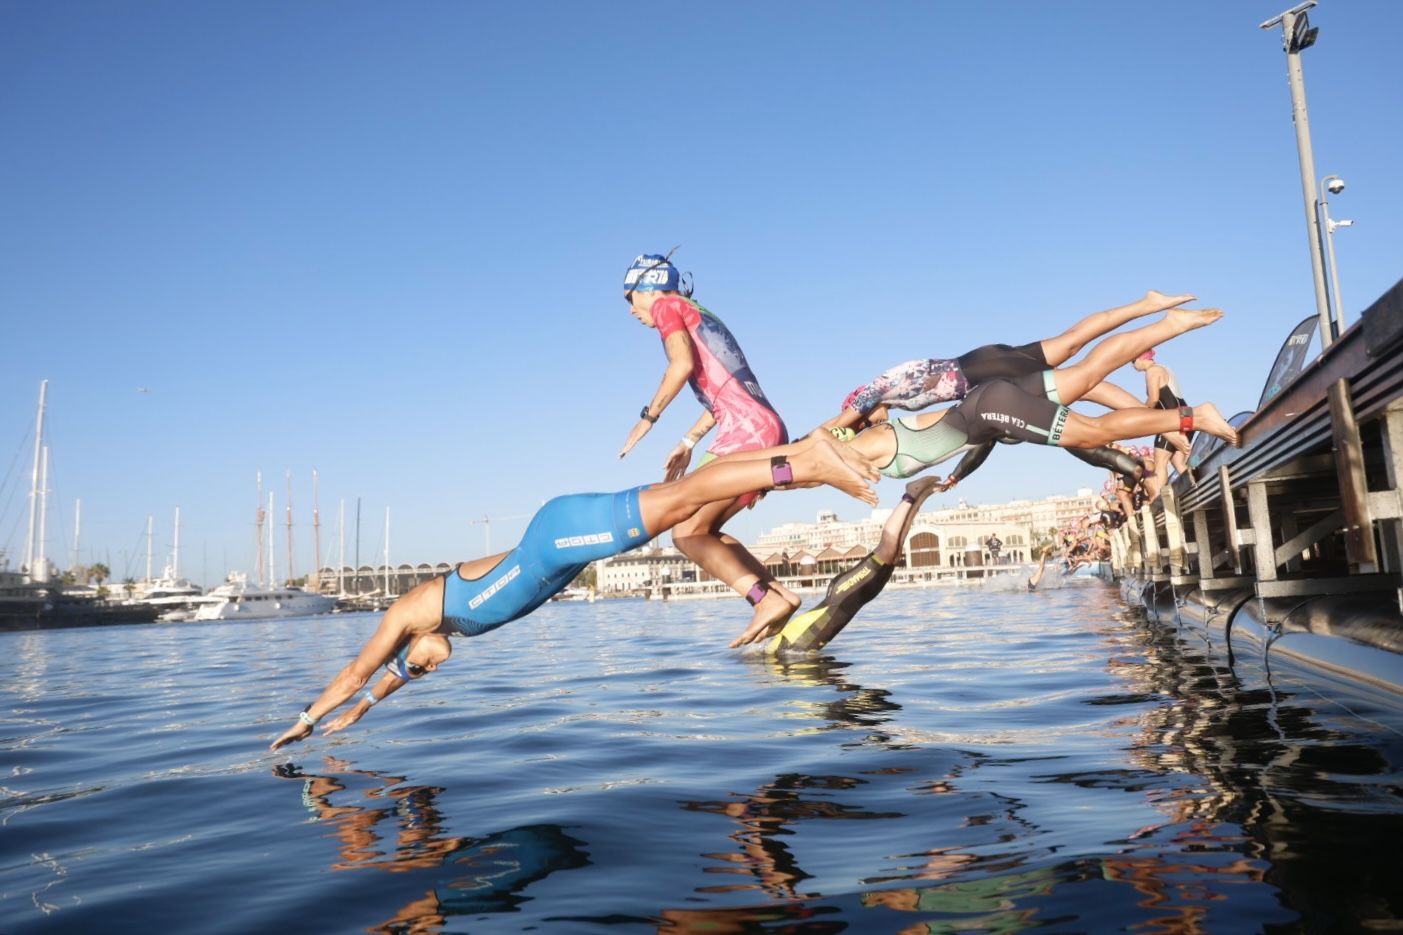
[{"x": 958, "y": 761}]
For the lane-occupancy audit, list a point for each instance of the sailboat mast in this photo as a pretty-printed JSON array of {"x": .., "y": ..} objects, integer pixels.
[
  {"x": 42, "y": 561},
  {"x": 272, "y": 564},
  {"x": 148, "y": 548},
  {"x": 77, "y": 529},
  {"x": 290, "y": 575},
  {"x": 316, "y": 533},
  {"x": 258, "y": 524},
  {"x": 34, "y": 482},
  {"x": 387, "y": 551},
  {"x": 175, "y": 548},
  {"x": 341, "y": 558}
]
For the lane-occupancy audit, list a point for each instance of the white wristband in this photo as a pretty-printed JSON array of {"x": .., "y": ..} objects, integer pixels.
[
  {"x": 306, "y": 718},
  {"x": 688, "y": 442},
  {"x": 369, "y": 697}
]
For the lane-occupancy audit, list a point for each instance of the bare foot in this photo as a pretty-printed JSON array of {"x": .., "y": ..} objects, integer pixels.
[
  {"x": 1209, "y": 419},
  {"x": 1151, "y": 485},
  {"x": 1158, "y": 301},
  {"x": 1187, "y": 319},
  {"x": 841, "y": 467},
  {"x": 769, "y": 617}
]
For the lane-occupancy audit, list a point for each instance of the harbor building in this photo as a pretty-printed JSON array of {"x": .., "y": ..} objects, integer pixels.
[{"x": 944, "y": 545}]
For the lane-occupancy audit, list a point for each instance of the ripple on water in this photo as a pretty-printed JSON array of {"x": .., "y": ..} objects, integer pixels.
[{"x": 960, "y": 759}]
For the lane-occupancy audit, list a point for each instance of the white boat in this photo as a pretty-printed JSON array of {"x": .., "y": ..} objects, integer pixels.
[{"x": 236, "y": 599}]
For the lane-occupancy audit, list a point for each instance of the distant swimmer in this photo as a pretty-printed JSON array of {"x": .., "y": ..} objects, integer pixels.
[
  {"x": 701, "y": 351},
  {"x": 565, "y": 535},
  {"x": 1034, "y": 409},
  {"x": 852, "y": 590},
  {"x": 1037, "y": 576}
]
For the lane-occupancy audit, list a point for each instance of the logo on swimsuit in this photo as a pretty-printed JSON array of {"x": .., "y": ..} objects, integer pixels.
[
  {"x": 1058, "y": 424},
  {"x": 1005, "y": 417},
  {"x": 495, "y": 587},
  {"x": 634, "y": 532},
  {"x": 594, "y": 538},
  {"x": 854, "y": 581}
]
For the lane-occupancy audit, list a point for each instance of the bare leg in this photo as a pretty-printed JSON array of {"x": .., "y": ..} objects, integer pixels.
[
  {"x": 1093, "y": 431},
  {"x": 1160, "y": 476},
  {"x": 1111, "y": 396},
  {"x": 1120, "y": 349},
  {"x": 899, "y": 523},
  {"x": 814, "y": 460},
  {"x": 700, "y": 538},
  {"x": 1069, "y": 343}
]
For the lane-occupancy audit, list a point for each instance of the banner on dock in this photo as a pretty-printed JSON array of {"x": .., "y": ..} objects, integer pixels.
[{"x": 1291, "y": 359}]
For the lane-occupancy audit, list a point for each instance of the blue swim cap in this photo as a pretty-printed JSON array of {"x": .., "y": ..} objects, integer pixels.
[{"x": 652, "y": 272}]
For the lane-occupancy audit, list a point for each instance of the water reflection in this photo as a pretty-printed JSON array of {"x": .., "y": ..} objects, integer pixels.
[
  {"x": 393, "y": 827},
  {"x": 1237, "y": 775},
  {"x": 1241, "y": 774},
  {"x": 847, "y": 705}
]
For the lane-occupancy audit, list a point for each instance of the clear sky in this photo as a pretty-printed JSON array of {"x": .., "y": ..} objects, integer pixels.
[{"x": 386, "y": 241}]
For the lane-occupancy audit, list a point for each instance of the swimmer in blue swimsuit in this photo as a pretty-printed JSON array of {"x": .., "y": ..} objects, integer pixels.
[{"x": 566, "y": 534}]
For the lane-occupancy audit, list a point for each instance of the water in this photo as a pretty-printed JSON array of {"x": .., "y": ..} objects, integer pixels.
[{"x": 958, "y": 761}]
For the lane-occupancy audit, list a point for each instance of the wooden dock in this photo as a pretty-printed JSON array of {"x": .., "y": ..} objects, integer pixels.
[{"x": 1309, "y": 509}]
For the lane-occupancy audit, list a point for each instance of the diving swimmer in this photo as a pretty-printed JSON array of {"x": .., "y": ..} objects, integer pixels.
[
  {"x": 565, "y": 535},
  {"x": 1033, "y": 408},
  {"x": 702, "y": 352},
  {"x": 852, "y": 590}
]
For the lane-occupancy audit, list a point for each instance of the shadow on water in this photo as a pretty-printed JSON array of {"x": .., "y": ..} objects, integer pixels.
[{"x": 402, "y": 830}]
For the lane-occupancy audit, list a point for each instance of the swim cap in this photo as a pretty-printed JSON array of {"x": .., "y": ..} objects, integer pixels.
[
  {"x": 1148, "y": 355},
  {"x": 652, "y": 272}
]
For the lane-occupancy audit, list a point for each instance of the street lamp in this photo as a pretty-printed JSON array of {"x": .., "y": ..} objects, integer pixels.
[
  {"x": 1334, "y": 185},
  {"x": 1297, "y": 37}
]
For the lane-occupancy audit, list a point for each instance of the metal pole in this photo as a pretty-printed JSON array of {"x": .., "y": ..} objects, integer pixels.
[
  {"x": 34, "y": 483},
  {"x": 1301, "y": 118},
  {"x": 1334, "y": 272}
]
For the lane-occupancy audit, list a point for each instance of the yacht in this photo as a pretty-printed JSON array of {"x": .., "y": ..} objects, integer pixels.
[{"x": 236, "y": 599}]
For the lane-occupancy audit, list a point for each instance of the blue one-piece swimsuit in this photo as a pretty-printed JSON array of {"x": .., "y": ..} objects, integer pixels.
[{"x": 565, "y": 535}]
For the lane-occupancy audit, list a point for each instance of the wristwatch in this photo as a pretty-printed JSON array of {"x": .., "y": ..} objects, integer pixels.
[{"x": 645, "y": 414}]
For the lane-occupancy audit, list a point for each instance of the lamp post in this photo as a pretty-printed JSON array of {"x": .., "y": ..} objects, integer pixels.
[
  {"x": 1333, "y": 184},
  {"x": 1297, "y": 37}
]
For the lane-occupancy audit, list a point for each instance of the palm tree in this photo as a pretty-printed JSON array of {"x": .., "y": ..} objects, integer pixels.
[{"x": 100, "y": 572}]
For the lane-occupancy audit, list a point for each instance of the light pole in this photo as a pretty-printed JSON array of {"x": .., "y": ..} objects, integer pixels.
[
  {"x": 1297, "y": 37},
  {"x": 1333, "y": 184}
]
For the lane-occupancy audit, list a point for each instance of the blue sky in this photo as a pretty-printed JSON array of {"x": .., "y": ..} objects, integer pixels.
[{"x": 386, "y": 241}]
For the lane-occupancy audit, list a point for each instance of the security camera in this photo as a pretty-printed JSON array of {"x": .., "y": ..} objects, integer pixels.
[{"x": 1335, "y": 186}]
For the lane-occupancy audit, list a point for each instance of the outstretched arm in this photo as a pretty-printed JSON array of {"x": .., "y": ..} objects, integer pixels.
[
  {"x": 416, "y": 613},
  {"x": 968, "y": 464},
  {"x": 681, "y": 454},
  {"x": 680, "y": 361}
]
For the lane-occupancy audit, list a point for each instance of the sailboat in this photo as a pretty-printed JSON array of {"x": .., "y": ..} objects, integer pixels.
[{"x": 239, "y": 599}]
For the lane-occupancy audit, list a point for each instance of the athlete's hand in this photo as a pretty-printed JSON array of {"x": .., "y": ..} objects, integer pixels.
[
  {"x": 677, "y": 462},
  {"x": 636, "y": 436},
  {"x": 346, "y": 719},
  {"x": 294, "y": 733},
  {"x": 947, "y": 483}
]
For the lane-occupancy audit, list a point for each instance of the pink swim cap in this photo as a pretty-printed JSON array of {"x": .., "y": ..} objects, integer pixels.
[{"x": 1148, "y": 355}]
